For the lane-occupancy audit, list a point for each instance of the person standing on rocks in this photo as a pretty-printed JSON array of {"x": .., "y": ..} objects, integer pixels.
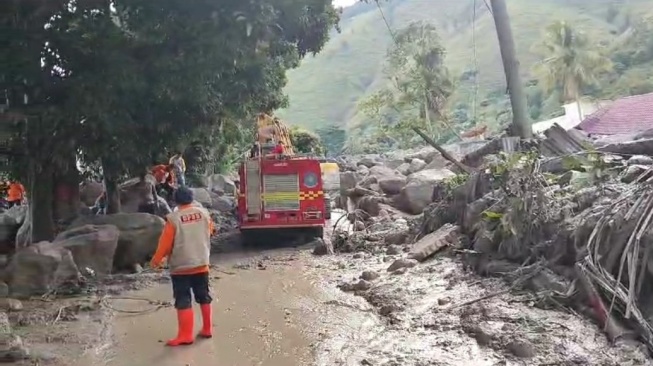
[
  {"x": 15, "y": 194},
  {"x": 177, "y": 161},
  {"x": 186, "y": 243}
]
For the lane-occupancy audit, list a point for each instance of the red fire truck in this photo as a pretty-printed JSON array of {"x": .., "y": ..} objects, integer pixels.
[{"x": 281, "y": 194}]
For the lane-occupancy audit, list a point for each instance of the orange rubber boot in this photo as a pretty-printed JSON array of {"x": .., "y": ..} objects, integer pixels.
[
  {"x": 185, "y": 319},
  {"x": 207, "y": 321}
]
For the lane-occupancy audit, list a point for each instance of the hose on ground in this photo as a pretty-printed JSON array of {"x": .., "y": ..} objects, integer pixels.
[{"x": 156, "y": 305}]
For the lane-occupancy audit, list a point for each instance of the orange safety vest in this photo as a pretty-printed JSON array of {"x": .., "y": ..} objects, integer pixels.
[
  {"x": 159, "y": 172},
  {"x": 15, "y": 192}
]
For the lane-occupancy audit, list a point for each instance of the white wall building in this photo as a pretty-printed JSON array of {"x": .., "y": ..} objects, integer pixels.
[{"x": 571, "y": 118}]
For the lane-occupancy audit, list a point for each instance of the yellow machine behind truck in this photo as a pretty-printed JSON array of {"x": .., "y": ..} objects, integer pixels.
[{"x": 273, "y": 128}]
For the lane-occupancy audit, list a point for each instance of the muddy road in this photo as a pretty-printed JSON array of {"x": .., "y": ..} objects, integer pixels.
[{"x": 286, "y": 307}]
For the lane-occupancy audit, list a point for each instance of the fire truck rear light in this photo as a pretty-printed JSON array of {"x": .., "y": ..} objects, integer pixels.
[{"x": 312, "y": 215}]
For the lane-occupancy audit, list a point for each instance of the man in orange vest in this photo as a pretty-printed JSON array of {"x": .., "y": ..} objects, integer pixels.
[
  {"x": 15, "y": 194},
  {"x": 165, "y": 179},
  {"x": 186, "y": 242}
]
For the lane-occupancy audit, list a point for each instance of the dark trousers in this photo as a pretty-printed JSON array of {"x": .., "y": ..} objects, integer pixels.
[
  {"x": 182, "y": 286},
  {"x": 149, "y": 207},
  {"x": 13, "y": 203},
  {"x": 167, "y": 188}
]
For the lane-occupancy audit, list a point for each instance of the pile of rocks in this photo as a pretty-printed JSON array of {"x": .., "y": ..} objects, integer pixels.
[{"x": 376, "y": 186}]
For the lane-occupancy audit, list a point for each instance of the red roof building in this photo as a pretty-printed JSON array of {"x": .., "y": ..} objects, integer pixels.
[{"x": 624, "y": 116}]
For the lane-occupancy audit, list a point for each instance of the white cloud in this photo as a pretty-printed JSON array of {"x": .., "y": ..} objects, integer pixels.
[{"x": 344, "y": 2}]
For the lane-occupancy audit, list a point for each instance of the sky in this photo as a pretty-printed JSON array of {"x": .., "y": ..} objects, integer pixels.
[{"x": 343, "y": 2}]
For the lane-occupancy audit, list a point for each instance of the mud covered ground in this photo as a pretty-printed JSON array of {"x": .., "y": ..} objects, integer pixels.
[
  {"x": 419, "y": 317},
  {"x": 275, "y": 304}
]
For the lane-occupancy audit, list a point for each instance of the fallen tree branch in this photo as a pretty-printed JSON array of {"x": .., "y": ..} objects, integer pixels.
[{"x": 442, "y": 151}]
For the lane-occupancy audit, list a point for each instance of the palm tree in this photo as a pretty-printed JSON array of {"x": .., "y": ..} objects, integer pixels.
[{"x": 570, "y": 61}]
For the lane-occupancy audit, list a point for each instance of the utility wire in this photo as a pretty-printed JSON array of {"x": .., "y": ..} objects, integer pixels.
[
  {"x": 475, "y": 93},
  {"x": 489, "y": 8},
  {"x": 392, "y": 34}
]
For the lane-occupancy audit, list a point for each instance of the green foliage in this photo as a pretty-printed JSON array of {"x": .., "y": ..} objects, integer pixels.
[
  {"x": 570, "y": 61},
  {"x": 306, "y": 142},
  {"x": 333, "y": 139},
  {"x": 327, "y": 90},
  {"x": 419, "y": 86},
  {"x": 123, "y": 83}
]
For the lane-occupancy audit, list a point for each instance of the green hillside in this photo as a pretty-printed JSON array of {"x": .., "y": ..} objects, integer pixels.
[{"x": 325, "y": 89}]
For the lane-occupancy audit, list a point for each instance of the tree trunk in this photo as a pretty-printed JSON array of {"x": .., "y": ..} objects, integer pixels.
[
  {"x": 66, "y": 196},
  {"x": 41, "y": 187},
  {"x": 66, "y": 193},
  {"x": 111, "y": 186},
  {"x": 521, "y": 125}
]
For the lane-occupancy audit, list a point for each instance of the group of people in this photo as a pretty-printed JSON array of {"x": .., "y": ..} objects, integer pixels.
[
  {"x": 168, "y": 178},
  {"x": 13, "y": 193},
  {"x": 278, "y": 149}
]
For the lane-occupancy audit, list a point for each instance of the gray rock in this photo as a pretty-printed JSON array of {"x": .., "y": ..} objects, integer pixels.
[
  {"x": 522, "y": 349},
  {"x": 435, "y": 241},
  {"x": 367, "y": 162},
  {"x": 393, "y": 250},
  {"x": 640, "y": 160},
  {"x": 10, "y": 305},
  {"x": 221, "y": 184},
  {"x": 418, "y": 192},
  {"x": 402, "y": 263},
  {"x": 12, "y": 348},
  {"x": 392, "y": 185},
  {"x": 92, "y": 246},
  {"x": 404, "y": 169},
  {"x": 416, "y": 165},
  {"x": 39, "y": 268},
  {"x": 139, "y": 235},
  {"x": 370, "y": 275},
  {"x": 362, "y": 285}
]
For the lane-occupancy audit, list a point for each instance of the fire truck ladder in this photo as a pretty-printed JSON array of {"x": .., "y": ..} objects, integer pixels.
[{"x": 253, "y": 176}]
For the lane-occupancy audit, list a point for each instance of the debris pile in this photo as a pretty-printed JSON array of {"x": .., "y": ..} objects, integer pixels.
[{"x": 557, "y": 217}]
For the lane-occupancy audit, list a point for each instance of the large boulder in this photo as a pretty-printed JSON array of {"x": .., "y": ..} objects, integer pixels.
[
  {"x": 92, "y": 246},
  {"x": 392, "y": 185},
  {"x": 416, "y": 165},
  {"x": 367, "y": 161},
  {"x": 223, "y": 204},
  {"x": 162, "y": 207},
  {"x": 212, "y": 200},
  {"x": 139, "y": 235},
  {"x": 39, "y": 269},
  {"x": 136, "y": 192},
  {"x": 348, "y": 180},
  {"x": 89, "y": 191},
  {"x": 381, "y": 171},
  {"x": 418, "y": 192},
  {"x": 203, "y": 196},
  {"x": 222, "y": 184},
  {"x": 10, "y": 222},
  {"x": 426, "y": 154},
  {"x": 404, "y": 168}
]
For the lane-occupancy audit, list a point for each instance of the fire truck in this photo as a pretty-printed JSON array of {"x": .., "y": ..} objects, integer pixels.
[{"x": 280, "y": 193}]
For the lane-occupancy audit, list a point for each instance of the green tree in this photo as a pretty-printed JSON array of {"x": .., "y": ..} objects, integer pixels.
[
  {"x": 570, "y": 61},
  {"x": 333, "y": 138},
  {"x": 419, "y": 87},
  {"x": 123, "y": 81},
  {"x": 306, "y": 142}
]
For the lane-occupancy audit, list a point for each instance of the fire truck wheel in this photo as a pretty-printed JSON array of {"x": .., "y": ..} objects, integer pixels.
[
  {"x": 327, "y": 207},
  {"x": 251, "y": 238},
  {"x": 319, "y": 232}
]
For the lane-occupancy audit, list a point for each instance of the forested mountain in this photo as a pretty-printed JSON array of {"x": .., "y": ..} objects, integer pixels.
[{"x": 325, "y": 91}]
